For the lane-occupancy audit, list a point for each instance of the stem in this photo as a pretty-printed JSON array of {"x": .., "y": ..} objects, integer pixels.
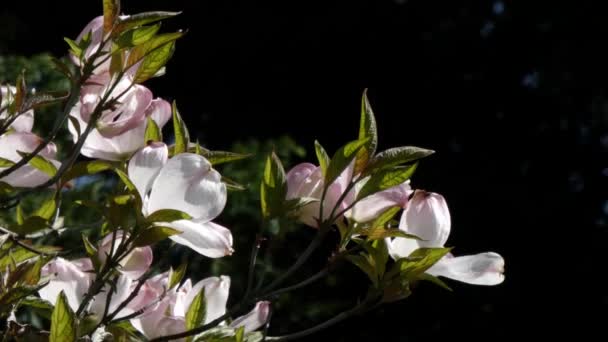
[
  {"x": 254, "y": 254},
  {"x": 200, "y": 329},
  {"x": 303, "y": 283},
  {"x": 314, "y": 244},
  {"x": 360, "y": 308}
]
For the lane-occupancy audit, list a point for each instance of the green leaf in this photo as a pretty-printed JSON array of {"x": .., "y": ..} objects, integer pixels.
[
  {"x": 367, "y": 129},
  {"x": 111, "y": 10},
  {"x": 16, "y": 294},
  {"x": 47, "y": 209},
  {"x": 89, "y": 247},
  {"x": 322, "y": 157},
  {"x": 233, "y": 185},
  {"x": 17, "y": 254},
  {"x": 74, "y": 48},
  {"x": 141, "y": 19},
  {"x": 417, "y": 262},
  {"x": 63, "y": 321},
  {"x": 19, "y": 215},
  {"x": 6, "y": 163},
  {"x": 122, "y": 199},
  {"x": 153, "y": 235},
  {"x": 379, "y": 253},
  {"x": 41, "y": 99},
  {"x": 397, "y": 156},
  {"x": 221, "y": 157},
  {"x": 41, "y": 163},
  {"x": 30, "y": 225},
  {"x": 153, "y": 132},
  {"x": 197, "y": 311},
  {"x": 26, "y": 273},
  {"x": 386, "y": 179},
  {"x": 386, "y": 216},
  {"x": 380, "y": 233},
  {"x": 139, "y": 52},
  {"x": 167, "y": 215},
  {"x": 239, "y": 335},
  {"x": 296, "y": 204},
  {"x": 182, "y": 138},
  {"x": 367, "y": 265},
  {"x": 342, "y": 159},
  {"x": 86, "y": 168},
  {"x": 273, "y": 188},
  {"x": 125, "y": 179},
  {"x": 154, "y": 61},
  {"x": 117, "y": 61},
  {"x": 6, "y": 188},
  {"x": 176, "y": 276},
  {"x": 20, "y": 94},
  {"x": 434, "y": 280},
  {"x": 40, "y": 306},
  {"x": 136, "y": 36}
]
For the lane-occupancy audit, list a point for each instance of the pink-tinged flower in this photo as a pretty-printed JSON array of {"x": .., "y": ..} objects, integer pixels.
[
  {"x": 26, "y": 176},
  {"x": 188, "y": 183},
  {"x": 427, "y": 216},
  {"x": 74, "y": 278},
  {"x": 130, "y": 111},
  {"x": 168, "y": 317},
  {"x": 134, "y": 264},
  {"x": 95, "y": 28},
  {"x": 306, "y": 181},
  {"x": 372, "y": 206},
  {"x": 25, "y": 121},
  {"x": 123, "y": 145},
  {"x": 255, "y": 319}
]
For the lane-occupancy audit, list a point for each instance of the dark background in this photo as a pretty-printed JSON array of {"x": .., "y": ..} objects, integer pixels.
[{"x": 512, "y": 95}]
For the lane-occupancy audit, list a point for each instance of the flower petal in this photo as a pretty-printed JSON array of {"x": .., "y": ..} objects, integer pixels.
[
  {"x": 68, "y": 277},
  {"x": 188, "y": 183},
  {"x": 401, "y": 247},
  {"x": 160, "y": 111},
  {"x": 479, "y": 269},
  {"x": 372, "y": 206},
  {"x": 146, "y": 164},
  {"x": 427, "y": 216},
  {"x": 129, "y": 114},
  {"x": 26, "y": 175},
  {"x": 296, "y": 178},
  {"x": 255, "y": 319},
  {"x": 217, "y": 290},
  {"x": 208, "y": 239}
]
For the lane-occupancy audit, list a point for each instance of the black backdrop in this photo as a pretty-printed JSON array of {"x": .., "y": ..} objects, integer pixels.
[{"x": 511, "y": 94}]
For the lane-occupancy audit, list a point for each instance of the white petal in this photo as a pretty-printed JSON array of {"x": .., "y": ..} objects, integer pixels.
[
  {"x": 296, "y": 178},
  {"x": 401, "y": 247},
  {"x": 208, "y": 239},
  {"x": 217, "y": 290},
  {"x": 479, "y": 269},
  {"x": 427, "y": 216},
  {"x": 121, "y": 293},
  {"x": 68, "y": 277},
  {"x": 117, "y": 148},
  {"x": 146, "y": 164},
  {"x": 188, "y": 183},
  {"x": 255, "y": 319},
  {"x": 372, "y": 206},
  {"x": 26, "y": 175},
  {"x": 159, "y": 111}
]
